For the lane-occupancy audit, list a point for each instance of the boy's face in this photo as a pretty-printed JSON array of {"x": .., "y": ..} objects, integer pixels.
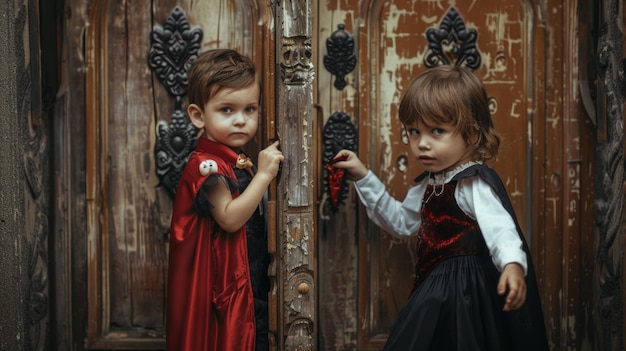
[
  {"x": 438, "y": 147},
  {"x": 231, "y": 117}
]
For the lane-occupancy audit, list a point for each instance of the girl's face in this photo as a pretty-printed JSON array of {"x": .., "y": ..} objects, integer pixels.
[
  {"x": 231, "y": 117},
  {"x": 438, "y": 147}
]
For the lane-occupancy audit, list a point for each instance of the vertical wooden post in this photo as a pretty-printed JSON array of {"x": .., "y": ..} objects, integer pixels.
[
  {"x": 609, "y": 201},
  {"x": 269, "y": 118},
  {"x": 15, "y": 88},
  {"x": 294, "y": 192}
]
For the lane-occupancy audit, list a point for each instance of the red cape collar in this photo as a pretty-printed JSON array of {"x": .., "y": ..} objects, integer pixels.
[
  {"x": 224, "y": 152},
  {"x": 220, "y": 150}
]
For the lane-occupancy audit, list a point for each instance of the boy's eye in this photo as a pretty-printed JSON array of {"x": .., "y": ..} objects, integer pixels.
[
  {"x": 250, "y": 109},
  {"x": 226, "y": 109},
  {"x": 438, "y": 131}
]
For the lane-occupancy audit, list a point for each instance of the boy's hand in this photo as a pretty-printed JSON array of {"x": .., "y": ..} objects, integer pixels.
[
  {"x": 349, "y": 161},
  {"x": 269, "y": 160},
  {"x": 512, "y": 280}
]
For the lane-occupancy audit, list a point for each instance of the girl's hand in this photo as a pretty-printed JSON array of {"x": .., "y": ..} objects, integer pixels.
[
  {"x": 349, "y": 161},
  {"x": 269, "y": 161},
  {"x": 512, "y": 280}
]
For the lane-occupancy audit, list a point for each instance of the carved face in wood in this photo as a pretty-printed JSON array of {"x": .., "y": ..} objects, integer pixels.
[{"x": 296, "y": 66}]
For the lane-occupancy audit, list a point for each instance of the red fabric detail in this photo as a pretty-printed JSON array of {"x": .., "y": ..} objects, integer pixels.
[
  {"x": 210, "y": 304},
  {"x": 446, "y": 231},
  {"x": 335, "y": 180}
]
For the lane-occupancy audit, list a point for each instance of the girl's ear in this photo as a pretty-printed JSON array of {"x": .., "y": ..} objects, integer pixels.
[{"x": 196, "y": 115}]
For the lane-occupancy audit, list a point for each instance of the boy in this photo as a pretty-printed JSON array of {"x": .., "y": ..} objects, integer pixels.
[{"x": 218, "y": 285}]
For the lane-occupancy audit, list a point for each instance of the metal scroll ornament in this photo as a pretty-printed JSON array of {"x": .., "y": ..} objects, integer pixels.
[
  {"x": 452, "y": 43},
  {"x": 339, "y": 133},
  {"x": 340, "y": 59},
  {"x": 174, "y": 47}
]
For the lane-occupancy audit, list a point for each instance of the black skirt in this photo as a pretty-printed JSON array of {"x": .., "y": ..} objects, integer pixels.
[{"x": 456, "y": 308}]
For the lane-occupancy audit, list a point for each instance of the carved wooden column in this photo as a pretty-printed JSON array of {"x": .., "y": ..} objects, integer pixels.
[
  {"x": 609, "y": 296},
  {"x": 15, "y": 240},
  {"x": 25, "y": 116},
  {"x": 295, "y": 206}
]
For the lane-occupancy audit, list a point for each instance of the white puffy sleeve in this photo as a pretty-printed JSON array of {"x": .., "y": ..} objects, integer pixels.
[
  {"x": 479, "y": 201},
  {"x": 400, "y": 218}
]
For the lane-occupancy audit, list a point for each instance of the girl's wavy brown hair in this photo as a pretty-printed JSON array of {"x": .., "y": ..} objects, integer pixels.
[
  {"x": 215, "y": 70},
  {"x": 453, "y": 96}
]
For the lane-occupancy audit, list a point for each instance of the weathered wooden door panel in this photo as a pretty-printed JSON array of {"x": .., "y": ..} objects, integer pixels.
[
  {"x": 128, "y": 212},
  {"x": 394, "y": 41}
]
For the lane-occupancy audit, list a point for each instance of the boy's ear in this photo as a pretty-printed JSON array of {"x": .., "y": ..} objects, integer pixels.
[{"x": 196, "y": 115}]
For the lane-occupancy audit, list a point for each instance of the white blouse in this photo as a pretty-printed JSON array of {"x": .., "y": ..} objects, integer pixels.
[{"x": 474, "y": 196}]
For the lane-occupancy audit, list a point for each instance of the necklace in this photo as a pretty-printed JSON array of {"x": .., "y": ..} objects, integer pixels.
[{"x": 435, "y": 191}]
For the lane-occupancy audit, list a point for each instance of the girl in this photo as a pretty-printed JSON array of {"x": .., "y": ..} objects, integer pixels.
[
  {"x": 474, "y": 286},
  {"x": 218, "y": 285}
]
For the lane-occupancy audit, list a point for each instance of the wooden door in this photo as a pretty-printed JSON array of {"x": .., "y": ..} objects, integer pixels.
[
  {"x": 112, "y": 216},
  {"x": 366, "y": 274},
  {"x": 136, "y": 139}
]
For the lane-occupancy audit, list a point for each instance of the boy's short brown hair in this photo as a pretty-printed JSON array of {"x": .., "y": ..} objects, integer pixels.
[
  {"x": 453, "y": 96},
  {"x": 217, "y": 69}
]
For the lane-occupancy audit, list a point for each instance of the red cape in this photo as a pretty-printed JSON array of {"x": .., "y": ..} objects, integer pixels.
[{"x": 209, "y": 304}]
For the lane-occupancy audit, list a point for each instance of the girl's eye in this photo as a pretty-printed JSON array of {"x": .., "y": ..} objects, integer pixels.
[
  {"x": 226, "y": 109},
  {"x": 438, "y": 131},
  {"x": 250, "y": 109},
  {"x": 412, "y": 132}
]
